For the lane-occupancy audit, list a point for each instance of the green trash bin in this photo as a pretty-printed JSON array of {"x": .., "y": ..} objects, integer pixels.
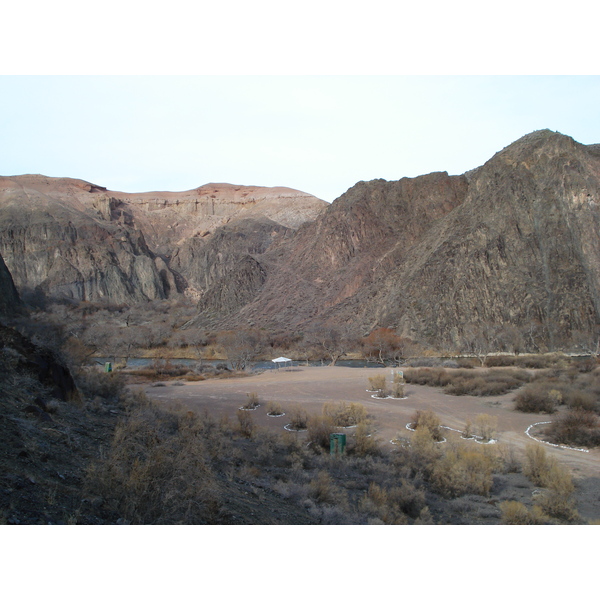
[
  {"x": 337, "y": 443},
  {"x": 108, "y": 367}
]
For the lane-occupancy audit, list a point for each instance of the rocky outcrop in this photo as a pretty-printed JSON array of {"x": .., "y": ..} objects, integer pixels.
[{"x": 9, "y": 297}]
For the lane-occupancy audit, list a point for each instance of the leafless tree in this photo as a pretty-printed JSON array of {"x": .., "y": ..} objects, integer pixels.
[
  {"x": 241, "y": 346},
  {"x": 336, "y": 343}
]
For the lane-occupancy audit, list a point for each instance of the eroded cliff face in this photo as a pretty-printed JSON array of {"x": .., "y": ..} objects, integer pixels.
[
  {"x": 73, "y": 239},
  {"x": 512, "y": 244},
  {"x": 336, "y": 259},
  {"x": 521, "y": 250}
]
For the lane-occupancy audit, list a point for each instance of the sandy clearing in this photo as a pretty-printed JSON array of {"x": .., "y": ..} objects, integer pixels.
[{"x": 310, "y": 387}]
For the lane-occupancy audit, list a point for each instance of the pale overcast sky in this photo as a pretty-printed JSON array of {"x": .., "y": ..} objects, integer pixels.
[
  {"x": 319, "y": 134},
  {"x": 314, "y": 96}
]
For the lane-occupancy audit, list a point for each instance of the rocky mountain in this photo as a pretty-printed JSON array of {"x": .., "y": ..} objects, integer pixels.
[
  {"x": 510, "y": 249},
  {"x": 70, "y": 238},
  {"x": 511, "y": 246}
]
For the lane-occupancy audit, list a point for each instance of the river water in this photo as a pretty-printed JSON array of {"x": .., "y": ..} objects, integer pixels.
[{"x": 142, "y": 363}]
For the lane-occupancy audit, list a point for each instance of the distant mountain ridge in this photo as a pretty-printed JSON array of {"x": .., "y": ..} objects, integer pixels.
[
  {"x": 509, "y": 249},
  {"x": 74, "y": 239}
]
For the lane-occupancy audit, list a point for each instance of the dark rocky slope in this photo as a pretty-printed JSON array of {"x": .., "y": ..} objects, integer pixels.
[
  {"x": 9, "y": 297},
  {"x": 514, "y": 243}
]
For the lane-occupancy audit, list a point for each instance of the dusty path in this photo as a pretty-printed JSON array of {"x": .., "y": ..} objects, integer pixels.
[{"x": 310, "y": 387}]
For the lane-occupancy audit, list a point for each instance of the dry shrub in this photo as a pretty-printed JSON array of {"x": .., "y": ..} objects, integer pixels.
[
  {"x": 298, "y": 418},
  {"x": 463, "y": 471},
  {"x": 252, "y": 402},
  {"x": 544, "y": 470},
  {"x": 157, "y": 469},
  {"x": 557, "y": 505},
  {"x": 485, "y": 426},
  {"x": 377, "y": 382},
  {"x": 557, "y": 500},
  {"x": 365, "y": 442},
  {"x": 468, "y": 430},
  {"x": 468, "y": 363},
  {"x": 344, "y": 415},
  {"x": 274, "y": 409},
  {"x": 427, "y": 419},
  {"x": 537, "y": 464},
  {"x": 398, "y": 390},
  {"x": 576, "y": 427},
  {"x": 424, "y": 452},
  {"x": 508, "y": 457},
  {"x": 320, "y": 429},
  {"x": 581, "y": 399},
  {"x": 538, "y": 398},
  {"x": 460, "y": 382},
  {"x": 408, "y": 499},
  {"x": 378, "y": 504},
  {"x": 246, "y": 425},
  {"x": 194, "y": 377},
  {"x": 324, "y": 491},
  {"x": 501, "y": 361},
  {"x": 110, "y": 386},
  {"x": 516, "y": 513}
]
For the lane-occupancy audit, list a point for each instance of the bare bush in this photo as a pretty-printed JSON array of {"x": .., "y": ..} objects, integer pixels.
[
  {"x": 576, "y": 427},
  {"x": 319, "y": 431},
  {"x": 538, "y": 398},
  {"x": 246, "y": 425},
  {"x": 485, "y": 426},
  {"x": 460, "y": 382},
  {"x": 252, "y": 402},
  {"x": 365, "y": 442},
  {"x": 110, "y": 386},
  {"x": 342, "y": 414},
  {"x": 463, "y": 471},
  {"x": 427, "y": 419},
  {"x": 298, "y": 418},
  {"x": 376, "y": 383},
  {"x": 274, "y": 409},
  {"x": 156, "y": 471},
  {"x": 516, "y": 513}
]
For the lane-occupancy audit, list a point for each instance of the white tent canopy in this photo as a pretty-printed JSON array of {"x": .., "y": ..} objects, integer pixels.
[{"x": 281, "y": 359}]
